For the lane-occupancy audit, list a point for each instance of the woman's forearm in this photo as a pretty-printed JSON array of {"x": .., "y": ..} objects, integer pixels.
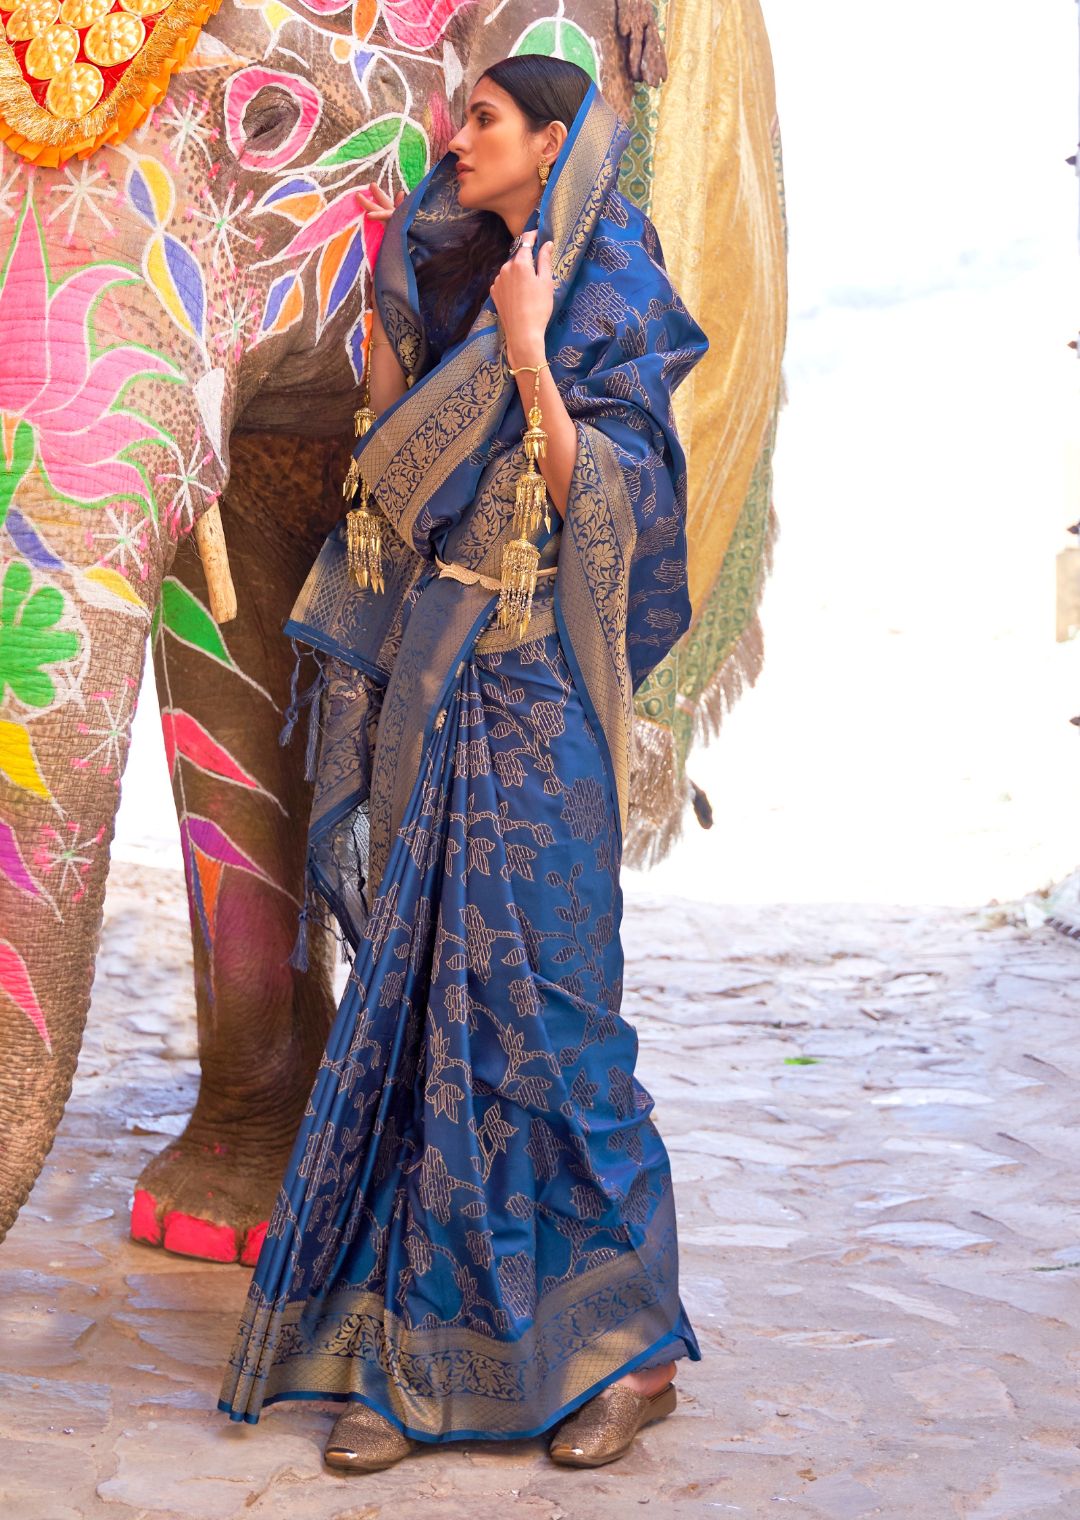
[
  {"x": 557, "y": 465},
  {"x": 387, "y": 376},
  {"x": 388, "y": 383},
  {"x": 387, "y": 379}
]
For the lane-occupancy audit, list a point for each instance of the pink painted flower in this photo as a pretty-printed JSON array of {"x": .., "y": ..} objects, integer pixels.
[
  {"x": 419, "y": 23},
  {"x": 50, "y": 379}
]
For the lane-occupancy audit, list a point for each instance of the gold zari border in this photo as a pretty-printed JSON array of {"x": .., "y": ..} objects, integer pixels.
[
  {"x": 450, "y": 1378},
  {"x": 594, "y": 569}
]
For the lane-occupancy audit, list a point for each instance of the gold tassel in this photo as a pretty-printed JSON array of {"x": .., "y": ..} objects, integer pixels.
[
  {"x": 518, "y": 582},
  {"x": 363, "y": 524},
  {"x": 520, "y": 558},
  {"x": 363, "y": 540}
]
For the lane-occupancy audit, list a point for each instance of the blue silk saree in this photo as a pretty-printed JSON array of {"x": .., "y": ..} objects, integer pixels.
[{"x": 476, "y": 1231}]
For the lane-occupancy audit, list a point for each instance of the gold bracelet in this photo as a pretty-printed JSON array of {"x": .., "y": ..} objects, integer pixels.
[{"x": 534, "y": 370}]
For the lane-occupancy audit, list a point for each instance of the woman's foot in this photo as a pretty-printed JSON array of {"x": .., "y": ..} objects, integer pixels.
[
  {"x": 363, "y": 1440},
  {"x": 649, "y": 1380},
  {"x": 604, "y": 1428}
]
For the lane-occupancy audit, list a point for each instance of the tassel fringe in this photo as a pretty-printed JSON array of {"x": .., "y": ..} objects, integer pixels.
[
  {"x": 519, "y": 562},
  {"x": 315, "y": 910},
  {"x": 298, "y": 960},
  {"x": 363, "y": 539},
  {"x": 298, "y": 700}
]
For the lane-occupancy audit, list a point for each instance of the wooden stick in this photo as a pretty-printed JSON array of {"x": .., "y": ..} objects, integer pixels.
[{"x": 210, "y": 541}]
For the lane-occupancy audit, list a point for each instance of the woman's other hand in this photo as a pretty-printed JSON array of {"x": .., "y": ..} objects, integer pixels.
[
  {"x": 377, "y": 204},
  {"x": 524, "y": 298}
]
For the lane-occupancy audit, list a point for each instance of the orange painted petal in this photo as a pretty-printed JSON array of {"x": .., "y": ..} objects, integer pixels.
[{"x": 330, "y": 263}]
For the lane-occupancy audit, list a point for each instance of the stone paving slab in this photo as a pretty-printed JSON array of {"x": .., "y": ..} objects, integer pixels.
[{"x": 872, "y": 1119}]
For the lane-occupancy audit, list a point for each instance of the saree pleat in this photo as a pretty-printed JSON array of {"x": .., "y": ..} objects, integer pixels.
[{"x": 477, "y": 1229}]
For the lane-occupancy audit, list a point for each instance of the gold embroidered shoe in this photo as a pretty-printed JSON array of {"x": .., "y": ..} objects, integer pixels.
[
  {"x": 363, "y": 1440},
  {"x": 605, "y": 1427}
]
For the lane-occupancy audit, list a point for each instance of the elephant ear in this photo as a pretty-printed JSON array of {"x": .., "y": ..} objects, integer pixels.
[{"x": 77, "y": 73}]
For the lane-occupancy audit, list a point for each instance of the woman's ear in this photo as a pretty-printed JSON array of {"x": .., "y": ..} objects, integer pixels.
[{"x": 556, "y": 136}]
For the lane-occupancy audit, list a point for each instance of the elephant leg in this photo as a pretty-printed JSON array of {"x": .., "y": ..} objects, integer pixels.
[
  {"x": 72, "y": 647},
  {"x": 243, "y": 808}
]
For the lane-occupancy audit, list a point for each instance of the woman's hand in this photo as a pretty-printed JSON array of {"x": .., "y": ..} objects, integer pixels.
[
  {"x": 377, "y": 204},
  {"x": 524, "y": 298}
]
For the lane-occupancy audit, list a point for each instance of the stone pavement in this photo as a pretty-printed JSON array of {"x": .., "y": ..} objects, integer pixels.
[{"x": 872, "y": 1119}]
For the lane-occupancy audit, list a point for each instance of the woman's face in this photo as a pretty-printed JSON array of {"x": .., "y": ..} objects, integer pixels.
[{"x": 497, "y": 154}]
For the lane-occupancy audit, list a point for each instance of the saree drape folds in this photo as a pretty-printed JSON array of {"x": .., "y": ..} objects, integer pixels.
[{"x": 476, "y": 1230}]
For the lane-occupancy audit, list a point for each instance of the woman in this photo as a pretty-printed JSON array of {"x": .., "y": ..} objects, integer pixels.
[{"x": 476, "y": 1236}]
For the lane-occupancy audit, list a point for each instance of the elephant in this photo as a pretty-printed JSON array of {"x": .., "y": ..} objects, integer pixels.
[{"x": 183, "y": 317}]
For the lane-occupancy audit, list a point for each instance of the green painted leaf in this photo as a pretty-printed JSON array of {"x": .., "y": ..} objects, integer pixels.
[
  {"x": 363, "y": 144},
  {"x": 29, "y": 638},
  {"x": 412, "y": 154},
  {"x": 800, "y": 1060},
  {"x": 189, "y": 620},
  {"x": 559, "y": 38},
  {"x": 22, "y": 457}
]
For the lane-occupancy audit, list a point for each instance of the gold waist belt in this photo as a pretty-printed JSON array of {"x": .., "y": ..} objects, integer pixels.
[{"x": 453, "y": 571}]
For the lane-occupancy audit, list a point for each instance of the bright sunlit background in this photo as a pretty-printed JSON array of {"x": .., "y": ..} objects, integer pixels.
[{"x": 909, "y": 738}]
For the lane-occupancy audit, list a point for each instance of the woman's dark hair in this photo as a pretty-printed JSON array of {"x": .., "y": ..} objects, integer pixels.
[{"x": 544, "y": 89}]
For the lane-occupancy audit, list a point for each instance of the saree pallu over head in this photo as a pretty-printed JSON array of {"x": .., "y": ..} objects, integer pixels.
[{"x": 442, "y": 464}]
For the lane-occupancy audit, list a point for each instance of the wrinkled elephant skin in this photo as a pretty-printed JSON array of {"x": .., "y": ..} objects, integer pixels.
[{"x": 182, "y": 320}]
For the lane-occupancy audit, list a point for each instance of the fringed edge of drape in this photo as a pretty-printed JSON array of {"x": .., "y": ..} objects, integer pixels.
[
  {"x": 310, "y": 698},
  {"x": 658, "y": 795},
  {"x": 743, "y": 665},
  {"x": 315, "y": 909}
]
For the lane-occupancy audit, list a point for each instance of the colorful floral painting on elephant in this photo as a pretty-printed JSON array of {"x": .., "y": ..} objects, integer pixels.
[{"x": 184, "y": 310}]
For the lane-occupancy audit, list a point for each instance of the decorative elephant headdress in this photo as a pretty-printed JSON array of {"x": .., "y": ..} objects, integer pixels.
[{"x": 78, "y": 73}]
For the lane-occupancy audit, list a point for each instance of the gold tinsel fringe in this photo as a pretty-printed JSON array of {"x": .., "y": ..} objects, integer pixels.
[
  {"x": 659, "y": 796},
  {"x": 657, "y": 801},
  {"x": 34, "y": 133},
  {"x": 652, "y": 772}
]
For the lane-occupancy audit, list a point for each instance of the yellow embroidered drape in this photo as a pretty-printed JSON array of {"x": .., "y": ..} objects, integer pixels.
[
  {"x": 716, "y": 208},
  {"x": 715, "y": 196}
]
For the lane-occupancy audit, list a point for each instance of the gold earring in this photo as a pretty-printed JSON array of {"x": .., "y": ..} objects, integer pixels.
[{"x": 543, "y": 168}]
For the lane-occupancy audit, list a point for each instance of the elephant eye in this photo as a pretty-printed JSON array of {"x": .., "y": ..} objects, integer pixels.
[{"x": 270, "y": 116}]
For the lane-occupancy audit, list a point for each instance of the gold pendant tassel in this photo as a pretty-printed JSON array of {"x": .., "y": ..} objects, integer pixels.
[
  {"x": 520, "y": 558},
  {"x": 363, "y": 523}
]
